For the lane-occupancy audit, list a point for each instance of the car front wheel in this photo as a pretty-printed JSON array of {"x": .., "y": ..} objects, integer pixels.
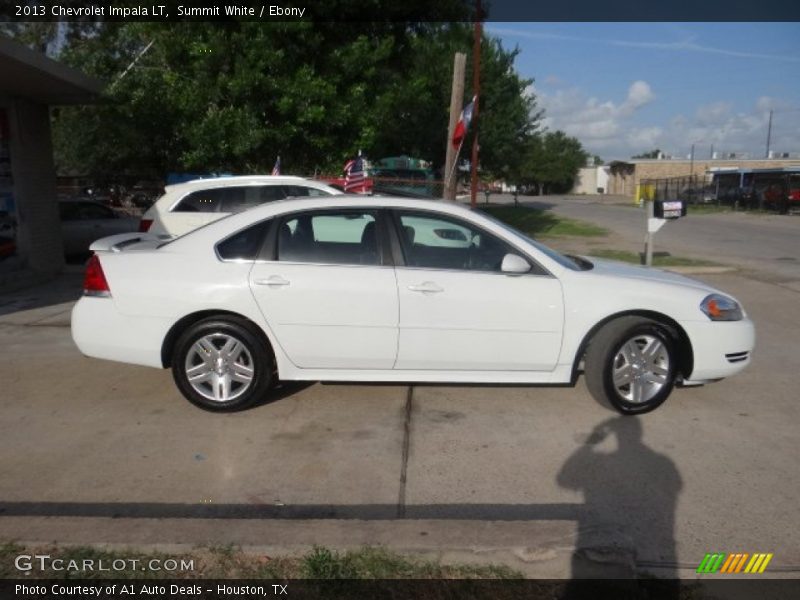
[
  {"x": 219, "y": 364},
  {"x": 631, "y": 365}
]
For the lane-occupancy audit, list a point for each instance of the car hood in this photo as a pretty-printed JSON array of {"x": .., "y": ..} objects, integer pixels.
[{"x": 612, "y": 268}]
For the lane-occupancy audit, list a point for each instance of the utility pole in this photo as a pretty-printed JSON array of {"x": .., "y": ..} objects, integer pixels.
[
  {"x": 456, "y": 104},
  {"x": 476, "y": 89},
  {"x": 769, "y": 133}
]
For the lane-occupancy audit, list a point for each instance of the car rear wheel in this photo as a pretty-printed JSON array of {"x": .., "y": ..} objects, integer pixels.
[
  {"x": 631, "y": 365},
  {"x": 220, "y": 364}
]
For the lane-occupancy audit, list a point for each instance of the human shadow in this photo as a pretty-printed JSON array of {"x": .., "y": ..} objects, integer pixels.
[{"x": 630, "y": 494}]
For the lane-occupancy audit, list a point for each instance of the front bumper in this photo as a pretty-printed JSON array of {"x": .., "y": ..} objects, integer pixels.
[{"x": 720, "y": 348}]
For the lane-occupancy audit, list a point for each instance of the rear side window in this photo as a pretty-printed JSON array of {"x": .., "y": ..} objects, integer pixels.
[
  {"x": 245, "y": 244},
  {"x": 346, "y": 237},
  {"x": 251, "y": 196},
  {"x": 229, "y": 199},
  {"x": 299, "y": 191}
]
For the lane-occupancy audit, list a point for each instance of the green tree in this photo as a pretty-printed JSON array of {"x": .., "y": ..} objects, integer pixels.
[
  {"x": 233, "y": 96},
  {"x": 651, "y": 154},
  {"x": 551, "y": 162}
]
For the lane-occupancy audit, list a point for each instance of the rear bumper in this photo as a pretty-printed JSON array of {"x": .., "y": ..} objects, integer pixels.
[
  {"x": 720, "y": 349},
  {"x": 100, "y": 331}
]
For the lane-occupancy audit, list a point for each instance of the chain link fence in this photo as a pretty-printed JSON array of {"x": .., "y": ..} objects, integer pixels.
[{"x": 773, "y": 191}]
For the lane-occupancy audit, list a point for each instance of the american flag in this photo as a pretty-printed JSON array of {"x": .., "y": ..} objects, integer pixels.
[
  {"x": 276, "y": 170},
  {"x": 354, "y": 177}
]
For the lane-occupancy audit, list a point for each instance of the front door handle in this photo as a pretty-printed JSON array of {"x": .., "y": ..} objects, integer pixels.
[
  {"x": 272, "y": 281},
  {"x": 426, "y": 286}
]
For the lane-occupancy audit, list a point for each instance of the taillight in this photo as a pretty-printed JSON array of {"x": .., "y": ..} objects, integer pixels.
[
  {"x": 94, "y": 280},
  {"x": 144, "y": 225}
]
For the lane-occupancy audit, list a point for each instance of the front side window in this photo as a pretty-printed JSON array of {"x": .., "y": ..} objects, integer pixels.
[
  {"x": 345, "y": 237},
  {"x": 438, "y": 242},
  {"x": 302, "y": 191}
]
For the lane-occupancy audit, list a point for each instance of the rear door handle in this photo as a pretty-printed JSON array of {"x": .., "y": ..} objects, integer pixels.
[
  {"x": 427, "y": 286},
  {"x": 273, "y": 280}
]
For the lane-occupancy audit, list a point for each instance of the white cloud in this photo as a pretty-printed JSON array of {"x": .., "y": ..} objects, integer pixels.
[
  {"x": 615, "y": 129},
  {"x": 596, "y": 123},
  {"x": 553, "y": 80},
  {"x": 644, "y": 137}
]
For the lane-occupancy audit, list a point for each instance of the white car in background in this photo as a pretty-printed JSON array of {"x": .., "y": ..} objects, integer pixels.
[
  {"x": 187, "y": 206},
  {"x": 348, "y": 288}
]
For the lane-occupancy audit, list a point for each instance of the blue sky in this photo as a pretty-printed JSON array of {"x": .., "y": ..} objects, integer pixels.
[{"x": 624, "y": 88}]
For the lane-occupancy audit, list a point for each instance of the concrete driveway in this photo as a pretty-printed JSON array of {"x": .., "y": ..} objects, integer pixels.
[
  {"x": 544, "y": 479},
  {"x": 760, "y": 242}
]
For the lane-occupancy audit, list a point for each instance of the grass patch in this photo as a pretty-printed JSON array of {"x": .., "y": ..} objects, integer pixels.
[
  {"x": 229, "y": 562},
  {"x": 541, "y": 223},
  {"x": 660, "y": 259}
]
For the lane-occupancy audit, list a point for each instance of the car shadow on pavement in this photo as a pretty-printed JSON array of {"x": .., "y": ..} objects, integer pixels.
[
  {"x": 67, "y": 287},
  {"x": 282, "y": 390},
  {"x": 630, "y": 496}
]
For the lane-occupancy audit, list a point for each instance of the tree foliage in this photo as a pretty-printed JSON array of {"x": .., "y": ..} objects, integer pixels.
[
  {"x": 551, "y": 162},
  {"x": 233, "y": 96},
  {"x": 652, "y": 154}
]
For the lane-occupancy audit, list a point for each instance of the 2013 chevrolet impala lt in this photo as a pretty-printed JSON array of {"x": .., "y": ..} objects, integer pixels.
[{"x": 346, "y": 288}]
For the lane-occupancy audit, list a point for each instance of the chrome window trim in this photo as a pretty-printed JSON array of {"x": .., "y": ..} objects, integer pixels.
[
  {"x": 314, "y": 264},
  {"x": 546, "y": 274}
]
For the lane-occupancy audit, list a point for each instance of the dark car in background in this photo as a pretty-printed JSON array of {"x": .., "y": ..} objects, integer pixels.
[{"x": 84, "y": 221}]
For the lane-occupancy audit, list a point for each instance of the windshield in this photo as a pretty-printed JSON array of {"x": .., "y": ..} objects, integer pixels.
[{"x": 561, "y": 259}]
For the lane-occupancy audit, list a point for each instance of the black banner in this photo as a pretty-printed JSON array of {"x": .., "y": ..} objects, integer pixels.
[
  {"x": 399, "y": 10},
  {"x": 460, "y": 589}
]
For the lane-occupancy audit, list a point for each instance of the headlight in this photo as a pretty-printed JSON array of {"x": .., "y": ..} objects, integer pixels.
[{"x": 721, "y": 308}]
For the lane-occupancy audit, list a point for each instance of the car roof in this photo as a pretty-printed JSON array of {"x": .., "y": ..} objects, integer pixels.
[
  {"x": 208, "y": 235},
  {"x": 241, "y": 179},
  {"x": 277, "y": 207}
]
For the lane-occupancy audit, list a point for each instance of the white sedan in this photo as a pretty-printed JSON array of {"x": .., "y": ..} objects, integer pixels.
[{"x": 347, "y": 288}]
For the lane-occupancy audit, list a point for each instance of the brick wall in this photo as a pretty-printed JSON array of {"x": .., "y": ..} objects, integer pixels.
[{"x": 38, "y": 226}]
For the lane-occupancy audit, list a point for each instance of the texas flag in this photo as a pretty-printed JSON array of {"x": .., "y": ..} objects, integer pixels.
[{"x": 463, "y": 123}]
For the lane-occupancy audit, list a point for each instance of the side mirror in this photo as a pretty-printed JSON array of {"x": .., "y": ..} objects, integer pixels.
[{"x": 514, "y": 264}]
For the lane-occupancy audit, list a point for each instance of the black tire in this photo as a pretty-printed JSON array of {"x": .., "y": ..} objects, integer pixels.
[
  {"x": 254, "y": 354},
  {"x": 605, "y": 354}
]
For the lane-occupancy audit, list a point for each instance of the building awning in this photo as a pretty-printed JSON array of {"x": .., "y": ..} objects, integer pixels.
[{"x": 28, "y": 74}]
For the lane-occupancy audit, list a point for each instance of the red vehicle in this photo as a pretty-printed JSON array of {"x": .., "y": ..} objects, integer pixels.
[
  {"x": 7, "y": 247},
  {"x": 338, "y": 183}
]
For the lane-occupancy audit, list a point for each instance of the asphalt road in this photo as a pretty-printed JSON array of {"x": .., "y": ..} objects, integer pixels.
[
  {"x": 93, "y": 451},
  {"x": 760, "y": 242}
]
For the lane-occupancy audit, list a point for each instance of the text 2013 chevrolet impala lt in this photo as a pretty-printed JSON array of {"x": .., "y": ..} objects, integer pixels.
[{"x": 347, "y": 288}]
